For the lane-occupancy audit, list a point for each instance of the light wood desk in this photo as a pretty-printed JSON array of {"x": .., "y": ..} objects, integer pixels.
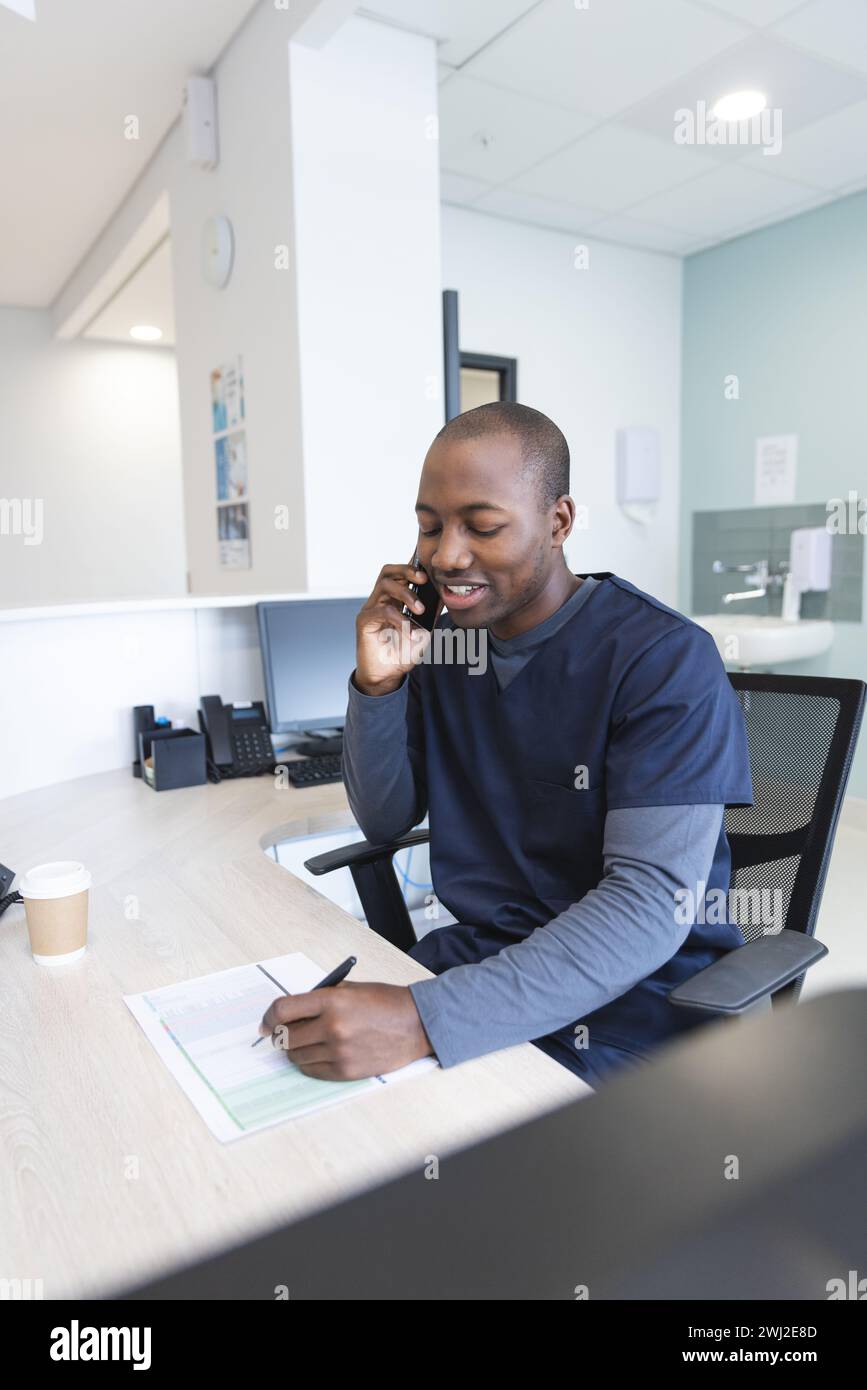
[{"x": 107, "y": 1174}]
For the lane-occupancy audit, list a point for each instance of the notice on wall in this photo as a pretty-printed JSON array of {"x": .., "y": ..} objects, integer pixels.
[
  {"x": 231, "y": 458},
  {"x": 776, "y": 469},
  {"x": 227, "y": 396},
  {"x": 230, "y": 465},
  {"x": 233, "y": 538}
]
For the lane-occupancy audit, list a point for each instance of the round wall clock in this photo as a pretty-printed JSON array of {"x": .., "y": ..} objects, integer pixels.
[{"x": 218, "y": 249}]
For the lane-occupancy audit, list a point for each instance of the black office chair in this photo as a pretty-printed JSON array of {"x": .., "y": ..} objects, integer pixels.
[{"x": 802, "y": 732}]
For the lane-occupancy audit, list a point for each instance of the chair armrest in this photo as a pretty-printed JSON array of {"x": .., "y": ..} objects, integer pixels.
[
  {"x": 375, "y": 880},
  {"x": 749, "y": 972},
  {"x": 362, "y": 852}
]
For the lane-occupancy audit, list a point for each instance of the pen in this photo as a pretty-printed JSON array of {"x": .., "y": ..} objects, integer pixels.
[{"x": 339, "y": 973}]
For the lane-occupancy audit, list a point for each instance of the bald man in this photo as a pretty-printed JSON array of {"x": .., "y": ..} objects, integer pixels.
[{"x": 575, "y": 785}]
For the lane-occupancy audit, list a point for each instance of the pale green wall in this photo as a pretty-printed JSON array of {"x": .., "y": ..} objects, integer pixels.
[{"x": 785, "y": 309}]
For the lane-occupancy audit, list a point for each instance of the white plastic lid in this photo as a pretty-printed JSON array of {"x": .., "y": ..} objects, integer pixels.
[{"x": 58, "y": 880}]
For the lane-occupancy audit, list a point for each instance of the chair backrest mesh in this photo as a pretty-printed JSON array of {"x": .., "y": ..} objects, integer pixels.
[
  {"x": 802, "y": 733},
  {"x": 789, "y": 736}
]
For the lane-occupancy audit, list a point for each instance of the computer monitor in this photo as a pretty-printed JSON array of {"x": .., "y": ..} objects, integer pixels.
[{"x": 308, "y": 655}]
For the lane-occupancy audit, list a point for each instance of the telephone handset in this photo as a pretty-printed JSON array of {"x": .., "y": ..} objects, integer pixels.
[{"x": 238, "y": 738}]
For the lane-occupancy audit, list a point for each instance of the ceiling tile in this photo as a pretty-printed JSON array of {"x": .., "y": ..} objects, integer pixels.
[
  {"x": 628, "y": 231},
  {"x": 802, "y": 89},
  {"x": 489, "y": 133},
  {"x": 461, "y": 27},
  {"x": 456, "y": 188},
  {"x": 66, "y": 83},
  {"x": 542, "y": 212},
  {"x": 613, "y": 167},
  {"x": 835, "y": 29},
  {"x": 729, "y": 197},
  {"x": 606, "y": 57},
  {"x": 757, "y": 12},
  {"x": 830, "y": 153}
]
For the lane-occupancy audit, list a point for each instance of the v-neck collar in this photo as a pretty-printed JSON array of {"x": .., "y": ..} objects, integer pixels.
[{"x": 547, "y": 644}]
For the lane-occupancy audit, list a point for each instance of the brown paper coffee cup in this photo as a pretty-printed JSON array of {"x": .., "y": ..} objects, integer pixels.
[{"x": 55, "y": 903}]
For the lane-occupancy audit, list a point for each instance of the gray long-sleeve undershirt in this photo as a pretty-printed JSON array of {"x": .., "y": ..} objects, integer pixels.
[{"x": 598, "y": 948}]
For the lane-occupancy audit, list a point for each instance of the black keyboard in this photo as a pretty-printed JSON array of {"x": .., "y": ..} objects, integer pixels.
[{"x": 313, "y": 772}]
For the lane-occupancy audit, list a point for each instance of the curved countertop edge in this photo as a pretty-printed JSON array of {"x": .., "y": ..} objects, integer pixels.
[
  {"x": 210, "y": 897},
  {"x": 302, "y": 827}
]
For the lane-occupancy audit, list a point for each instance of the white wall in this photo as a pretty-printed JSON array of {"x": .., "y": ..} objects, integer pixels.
[
  {"x": 597, "y": 349},
  {"x": 366, "y": 182},
  {"x": 327, "y": 151},
  {"x": 254, "y": 315},
  {"x": 346, "y": 175},
  {"x": 71, "y": 683},
  {"x": 92, "y": 430}
]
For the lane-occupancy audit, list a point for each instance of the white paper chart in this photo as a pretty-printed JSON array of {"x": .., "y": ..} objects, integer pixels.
[{"x": 203, "y": 1030}]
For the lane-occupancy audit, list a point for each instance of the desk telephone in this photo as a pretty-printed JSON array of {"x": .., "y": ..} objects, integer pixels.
[{"x": 238, "y": 739}]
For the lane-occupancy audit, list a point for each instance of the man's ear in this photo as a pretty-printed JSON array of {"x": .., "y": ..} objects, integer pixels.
[{"x": 562, "y": 520}]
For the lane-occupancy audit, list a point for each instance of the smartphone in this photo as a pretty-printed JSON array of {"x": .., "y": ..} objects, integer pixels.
[{"x": 429, "y": 595}]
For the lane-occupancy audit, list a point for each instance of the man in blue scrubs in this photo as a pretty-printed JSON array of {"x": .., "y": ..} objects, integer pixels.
[{"x": 575, "y": 788}]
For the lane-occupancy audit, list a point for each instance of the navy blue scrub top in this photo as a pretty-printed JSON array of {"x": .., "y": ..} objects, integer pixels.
[{"x": 636, "y": 693}]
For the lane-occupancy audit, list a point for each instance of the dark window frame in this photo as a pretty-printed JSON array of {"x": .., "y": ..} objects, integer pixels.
[{"x": 505, "y": 367}]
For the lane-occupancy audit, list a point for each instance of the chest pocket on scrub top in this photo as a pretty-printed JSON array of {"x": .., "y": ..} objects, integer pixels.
[{"x": 563, "y": 836}]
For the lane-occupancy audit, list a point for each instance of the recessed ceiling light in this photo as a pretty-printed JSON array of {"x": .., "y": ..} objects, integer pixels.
[
  {"x": 740, "y": 106},
  {"x": 145, "y": 333}
]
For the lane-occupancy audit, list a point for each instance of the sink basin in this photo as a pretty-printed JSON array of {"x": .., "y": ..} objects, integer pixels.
[{"x": 747, "y": 642}]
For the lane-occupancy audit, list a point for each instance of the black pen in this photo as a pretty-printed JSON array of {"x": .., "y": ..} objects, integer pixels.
[{"x": 339, "y": 973}]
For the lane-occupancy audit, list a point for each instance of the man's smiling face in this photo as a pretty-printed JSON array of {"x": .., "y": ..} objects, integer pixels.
[{"x": 484, "y": 538}]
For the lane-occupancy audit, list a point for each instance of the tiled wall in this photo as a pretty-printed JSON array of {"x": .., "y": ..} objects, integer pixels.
[{"x": 747, "y": 534}]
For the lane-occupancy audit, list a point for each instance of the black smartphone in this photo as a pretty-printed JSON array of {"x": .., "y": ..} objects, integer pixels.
[{"x": 429, "y": 595}]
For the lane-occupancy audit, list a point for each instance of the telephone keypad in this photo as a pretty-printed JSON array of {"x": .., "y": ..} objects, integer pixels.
[{"x": 252, "y": 751}]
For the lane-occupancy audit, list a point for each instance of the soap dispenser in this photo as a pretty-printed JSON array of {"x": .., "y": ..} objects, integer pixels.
[{"x": 809, "y": 568}]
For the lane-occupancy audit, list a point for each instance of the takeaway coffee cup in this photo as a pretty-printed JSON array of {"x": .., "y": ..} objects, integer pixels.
[{"x": 55, "y": 901}]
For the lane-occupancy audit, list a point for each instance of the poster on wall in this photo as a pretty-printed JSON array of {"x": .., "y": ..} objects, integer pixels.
[
  {"x": 227, "y": 396},
  {"x": 231, "y": 458},
  {"x": 233, "y": 537},
  {"x": 230, "y": 465}
]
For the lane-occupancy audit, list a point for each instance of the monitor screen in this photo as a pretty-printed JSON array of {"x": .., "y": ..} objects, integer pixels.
[{"x": 308, "y": 654}]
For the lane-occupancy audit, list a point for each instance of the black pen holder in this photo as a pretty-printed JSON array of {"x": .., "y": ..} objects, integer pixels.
[{"x": 178, "y": 757}]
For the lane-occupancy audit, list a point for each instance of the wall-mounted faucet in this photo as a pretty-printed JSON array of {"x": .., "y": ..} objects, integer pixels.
[{"x": 758, "y": 574}]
